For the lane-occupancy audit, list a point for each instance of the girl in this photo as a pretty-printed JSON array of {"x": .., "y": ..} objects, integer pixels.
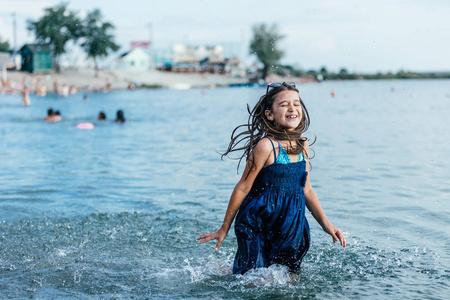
[{"x": 271, "y": 227}]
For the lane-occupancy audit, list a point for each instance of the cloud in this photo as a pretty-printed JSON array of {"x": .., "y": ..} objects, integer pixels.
[
  {"x": 26, "y": 9},
  {"x": 23, "y": 10},
  {"x": 325, "y": 44}
]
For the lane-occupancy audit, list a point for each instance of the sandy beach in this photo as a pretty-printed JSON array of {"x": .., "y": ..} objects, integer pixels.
[{"x": 86, "y": 79}]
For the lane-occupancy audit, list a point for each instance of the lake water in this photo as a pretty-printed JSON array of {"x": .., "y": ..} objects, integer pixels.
[{"x": 113, "y": 212}]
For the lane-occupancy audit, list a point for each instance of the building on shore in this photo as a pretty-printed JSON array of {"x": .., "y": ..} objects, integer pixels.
[
  {"x": 200, "y": 59},
  {"x": 36, "y": 58},
  {"x": 181, "y": 58},
  {"x": 236, "y": 68},
  {"x": 7, "y": 61},
  {"x": 134, "y": 60}
]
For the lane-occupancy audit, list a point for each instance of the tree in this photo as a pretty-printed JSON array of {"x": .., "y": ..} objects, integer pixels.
[
  {"x": 343, "y": 71},
  {"x": 4, "y": 46},
  {"x": 97, "y": 39},
  {"x": 264, "y": 46},
  {"x": 323, "y": 70},
  {"x": 56, "y": 27}
]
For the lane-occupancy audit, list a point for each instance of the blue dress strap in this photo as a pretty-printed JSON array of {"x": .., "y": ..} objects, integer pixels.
[
  {"x": 279, "y": 144},
  {"x": 301, "y": 156},
  {"x": 273, "y": 147}
]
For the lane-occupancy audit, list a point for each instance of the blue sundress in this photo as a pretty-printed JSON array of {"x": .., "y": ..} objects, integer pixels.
[{"x": 271, "y": 226}]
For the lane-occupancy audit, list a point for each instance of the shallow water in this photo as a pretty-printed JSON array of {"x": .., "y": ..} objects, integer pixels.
[{"x": 113, "y": 212}]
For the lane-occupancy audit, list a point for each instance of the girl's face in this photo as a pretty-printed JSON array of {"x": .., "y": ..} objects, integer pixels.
[{"x": 286, "y": 110}]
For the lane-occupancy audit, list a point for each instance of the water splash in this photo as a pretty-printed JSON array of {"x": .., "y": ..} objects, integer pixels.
[{"x": 196, "y": 274}]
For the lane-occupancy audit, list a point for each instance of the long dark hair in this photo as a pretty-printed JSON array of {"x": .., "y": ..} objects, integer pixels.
[{"x": 246, "y": 136}]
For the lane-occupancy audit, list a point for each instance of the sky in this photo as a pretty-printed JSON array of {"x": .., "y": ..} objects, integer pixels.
[{"x": 363, "y": 36}]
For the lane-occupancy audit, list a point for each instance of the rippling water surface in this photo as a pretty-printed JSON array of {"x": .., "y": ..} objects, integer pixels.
[{"x": 113, "y": 212}]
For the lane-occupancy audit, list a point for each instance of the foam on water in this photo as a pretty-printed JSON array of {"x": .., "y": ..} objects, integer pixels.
[{"x": 108, "y": 254}]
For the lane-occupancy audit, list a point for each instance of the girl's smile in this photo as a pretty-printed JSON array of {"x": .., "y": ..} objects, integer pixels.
[{"x": 286, "y": 110}]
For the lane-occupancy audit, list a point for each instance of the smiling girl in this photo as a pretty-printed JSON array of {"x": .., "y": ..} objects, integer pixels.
[{"x": 270, "y": 198}]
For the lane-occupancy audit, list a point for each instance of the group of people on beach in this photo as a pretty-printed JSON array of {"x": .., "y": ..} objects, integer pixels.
[{"x": 36, "y": 84}]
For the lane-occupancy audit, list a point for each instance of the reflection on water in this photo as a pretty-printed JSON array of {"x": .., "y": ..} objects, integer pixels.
[{"x": 114, "y": 211}]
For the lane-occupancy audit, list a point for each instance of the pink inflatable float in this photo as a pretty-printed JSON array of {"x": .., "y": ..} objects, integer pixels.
[{"x": 85, "y": 126}]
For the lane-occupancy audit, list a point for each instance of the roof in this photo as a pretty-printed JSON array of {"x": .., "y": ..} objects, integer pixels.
[
  {"x": 133, "y": 52},
  {"x": 37, "y": 48},
  {"x": 124, "y": 54}
]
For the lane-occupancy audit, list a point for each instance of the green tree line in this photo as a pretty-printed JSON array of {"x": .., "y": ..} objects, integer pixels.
[
  {"x": 343, "y": 74},
  {"x": 264, "y": 45},
  {"x": 59, "y": 25}
]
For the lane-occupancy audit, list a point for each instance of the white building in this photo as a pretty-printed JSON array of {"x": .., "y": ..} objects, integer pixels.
[
  {"x": 236, "y": 68},
  {"x": 133, "y": 60}
]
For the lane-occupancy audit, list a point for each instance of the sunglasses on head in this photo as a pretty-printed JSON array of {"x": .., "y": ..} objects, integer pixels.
[{"x": 278, "y": 84}]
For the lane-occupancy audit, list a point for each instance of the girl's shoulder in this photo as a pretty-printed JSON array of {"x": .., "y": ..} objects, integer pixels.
[
  {"x": 263, "y": 151},
  {"x": 265, "y": 145},
  {"x": 306, "y": 144}
]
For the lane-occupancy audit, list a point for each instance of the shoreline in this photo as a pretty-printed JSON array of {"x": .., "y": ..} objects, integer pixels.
[
  {"x": 71, "y": 81},
  {"x": 88, "y": 80}
]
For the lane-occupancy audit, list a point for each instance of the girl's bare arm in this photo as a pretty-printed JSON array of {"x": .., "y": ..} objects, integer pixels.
[
  {"x": 260, "y": 154},
  {"x": 313, "y": 204}
]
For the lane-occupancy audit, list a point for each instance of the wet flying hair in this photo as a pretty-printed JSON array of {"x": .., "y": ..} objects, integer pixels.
[{"x": 246, "y": 136}]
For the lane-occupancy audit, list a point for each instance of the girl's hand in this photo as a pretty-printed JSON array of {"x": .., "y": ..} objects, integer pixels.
[
  {"x": 335, "y": 233},
  {"x": 219, "y": 235}
]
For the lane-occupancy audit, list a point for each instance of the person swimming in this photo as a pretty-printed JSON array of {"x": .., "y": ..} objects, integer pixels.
[
  {"x": 120, "y": 117},
  {"x": 53, "y": 116},
  {"x": 101, "y": 116}
]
